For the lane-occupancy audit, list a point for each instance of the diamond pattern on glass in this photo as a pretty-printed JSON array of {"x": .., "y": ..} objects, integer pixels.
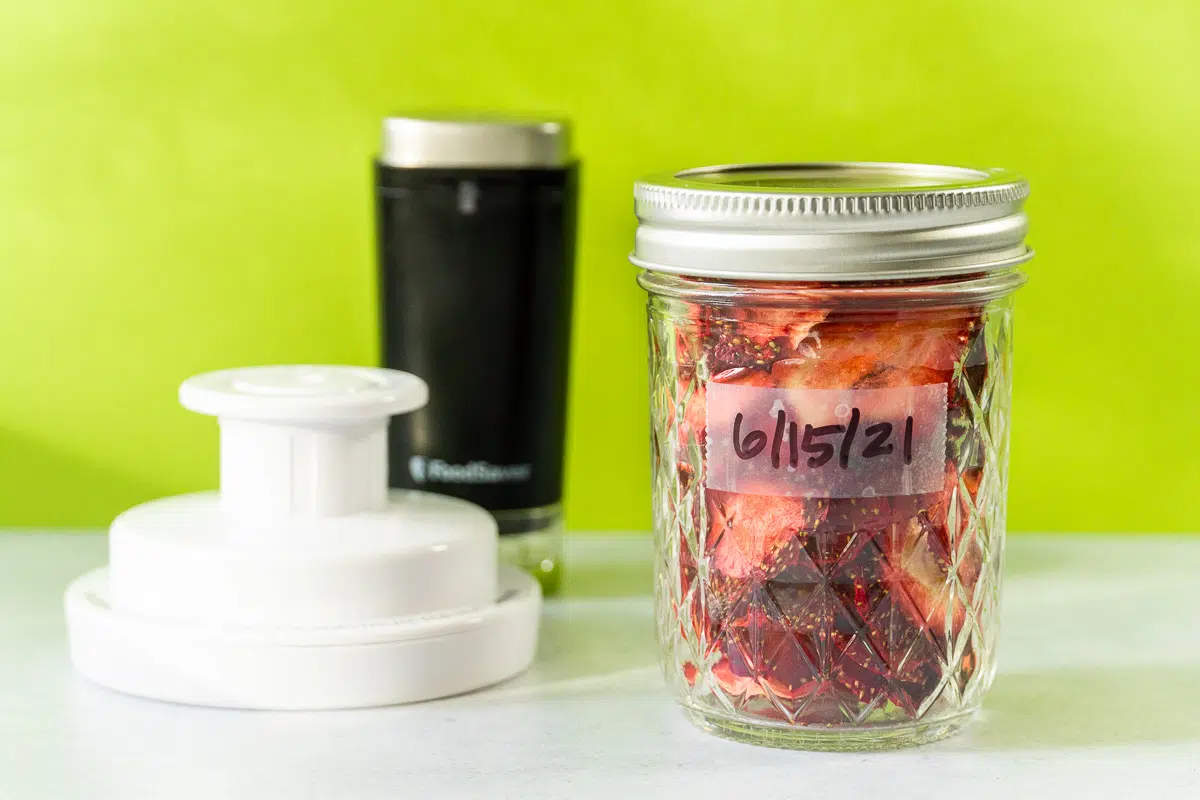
[{"x": 832, "y": 613}]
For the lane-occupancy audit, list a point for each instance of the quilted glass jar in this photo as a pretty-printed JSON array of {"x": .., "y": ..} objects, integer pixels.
[{"x": 830, "y": 376}]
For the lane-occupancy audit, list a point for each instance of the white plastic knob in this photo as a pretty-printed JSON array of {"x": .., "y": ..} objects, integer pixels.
[{"x": 303, "y": 441}]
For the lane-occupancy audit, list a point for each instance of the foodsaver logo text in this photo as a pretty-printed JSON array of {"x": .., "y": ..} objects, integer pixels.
[{"x": 434, "y": 470}]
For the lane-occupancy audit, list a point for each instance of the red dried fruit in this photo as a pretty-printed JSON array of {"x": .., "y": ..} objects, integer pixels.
[
  {"x": 687, "y": 565},
  {"x": 918, "y": 571},
  {"x": 761, "y": 651},
  {"x": 729, "y": 347},
  {"x": 694, "y": 420},
  {"x": 689, "y": 333},
  {"x": 791, "y": 328},
  {"x": 748, "y": 533},
  {"x": 920, "y": 559},
  {"x": 857, "y": 353},
  {"x": 758, "y": 336},
  {"x": 744, "y": 376},
  {"x": 824, "y": 610},
  {"x": 859, "y": 671},
  {"x": 915, "y": 680},
  {"x": 685, "y": 475},
  {"x": 734, "y": 676},
  {"x": 856, "y": 574},
  {"x": 824, "y": 372}
]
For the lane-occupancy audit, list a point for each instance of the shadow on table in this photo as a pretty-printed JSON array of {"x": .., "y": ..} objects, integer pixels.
[{"x": 1089, "y": 707}]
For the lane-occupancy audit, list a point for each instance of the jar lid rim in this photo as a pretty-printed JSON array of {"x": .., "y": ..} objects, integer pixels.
[
  {"x": 831, "y": 219},
  {"x": 831, "y": 187}
]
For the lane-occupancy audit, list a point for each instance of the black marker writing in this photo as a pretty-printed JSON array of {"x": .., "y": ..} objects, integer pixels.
[
  {"x": 824, "y": 450},
  {"x": 879, "y": 446},
  {"x": 848, "y": 439},
  {"x": 820, "y": 452},
  {"x": 777, "y": 442},
  {"x": 793, "y": 445},
  {"x": 754, "y": 443}
]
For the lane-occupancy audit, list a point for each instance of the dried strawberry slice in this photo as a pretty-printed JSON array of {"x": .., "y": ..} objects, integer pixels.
[
  {"x": 880, "y": 352},
  {"x": 969, "y": 542},
  {"x": 690, "y": 331},
  {"x": 694, "y": 419},
  {"x": 893, "y": 652},
  {"x": 872, "y": 515},
  {"x": 688, "y": 572},
  {"x": 785, "y": 667},
  {"x": 706, "y": 624},
  {"x": 757, "y": 336},
  {"x": 794, "y": 323},
  {"x": 729, "y": 347},
  {"x": 686, "y": 350},
  {"x": 801, "y": 595},
  {"x": 967, "y": 665},
  {"x": 760, "y": 650},
  {"x": 856, "y": 577},
  {"x": 859, "y": 672},
  {"x": 749, "y": 533},
  {"x": 964, "y": 444},
  {"x": 791, "y": 328},
  {"x": 825, "y": 372},
  {"x": 919, "y": 562},
  {"x": 733, "y": 673},
  {"x": 914, "y": 682},
  {"x": 744, "y": 376},
  {"x": 917, "y": 570}
]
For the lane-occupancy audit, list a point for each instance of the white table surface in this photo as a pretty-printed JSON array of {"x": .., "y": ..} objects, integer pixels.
[{"x": 1098, "y": 696}]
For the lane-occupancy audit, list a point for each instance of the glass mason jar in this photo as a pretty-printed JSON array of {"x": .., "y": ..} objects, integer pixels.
[{"x": 830, "y": 378}]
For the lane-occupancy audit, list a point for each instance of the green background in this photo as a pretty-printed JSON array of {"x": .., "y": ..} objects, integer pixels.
[{"x": 186, "y": 187}]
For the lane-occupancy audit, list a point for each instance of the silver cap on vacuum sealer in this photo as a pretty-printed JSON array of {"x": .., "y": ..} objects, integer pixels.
[{"x": 475, "y": 142}]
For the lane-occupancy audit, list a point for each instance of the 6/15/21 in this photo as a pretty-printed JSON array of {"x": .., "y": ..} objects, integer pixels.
[{"x": 876, "y": 441}]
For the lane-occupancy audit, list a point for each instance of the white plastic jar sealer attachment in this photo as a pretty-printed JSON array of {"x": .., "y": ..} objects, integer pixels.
[{"x": 304, "y": 583}]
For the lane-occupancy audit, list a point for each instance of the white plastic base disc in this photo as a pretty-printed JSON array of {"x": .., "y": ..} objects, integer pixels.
[{"x": 383, "y": 662}]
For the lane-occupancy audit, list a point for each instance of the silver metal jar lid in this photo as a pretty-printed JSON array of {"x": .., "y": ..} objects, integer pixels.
[
  {"x": 830, "y": 221},
  {"x": 475, "y": 142}
]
